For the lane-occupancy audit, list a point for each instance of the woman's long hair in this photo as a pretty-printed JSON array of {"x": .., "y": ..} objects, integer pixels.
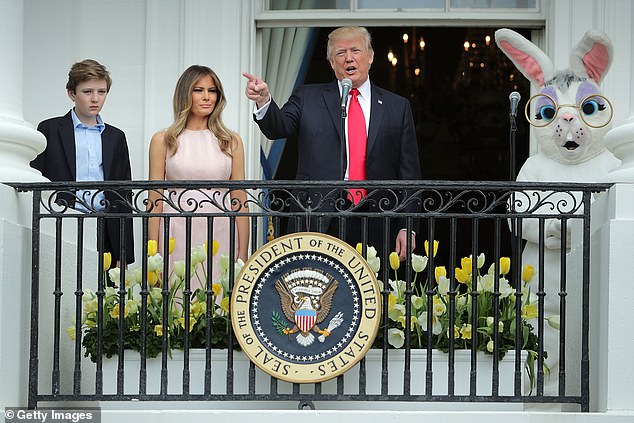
[{"x": 182, "y": 104}]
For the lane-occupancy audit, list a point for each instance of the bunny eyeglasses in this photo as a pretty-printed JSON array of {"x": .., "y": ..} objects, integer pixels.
[{"x": 595, "y": 110}]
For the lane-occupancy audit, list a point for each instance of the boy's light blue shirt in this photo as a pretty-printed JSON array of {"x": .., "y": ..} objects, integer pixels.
[{"x": 88, "y": 160}]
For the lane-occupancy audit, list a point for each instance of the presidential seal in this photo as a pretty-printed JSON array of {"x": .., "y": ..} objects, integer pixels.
[{"x": 306, "y": 307}]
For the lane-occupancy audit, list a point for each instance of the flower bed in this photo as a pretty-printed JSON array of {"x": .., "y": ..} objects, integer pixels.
[{"x": 123, "y": 310}]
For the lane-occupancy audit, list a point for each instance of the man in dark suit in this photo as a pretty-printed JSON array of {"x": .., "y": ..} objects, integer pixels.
[
  {"x": 81, "y": 147},
  {"x": 312, "y": 116}
]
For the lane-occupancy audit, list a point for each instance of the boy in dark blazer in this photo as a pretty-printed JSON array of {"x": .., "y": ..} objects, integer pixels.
[{"x": 81, "y": 147}]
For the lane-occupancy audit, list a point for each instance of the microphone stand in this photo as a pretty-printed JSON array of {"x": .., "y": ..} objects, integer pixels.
[
  {"x": 344, "y": 114},
  {"x": 512, "y": 132},
  {"x": 514, "y": 235}
]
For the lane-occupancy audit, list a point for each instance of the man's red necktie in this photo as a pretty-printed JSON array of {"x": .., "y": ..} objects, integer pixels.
[{"x": 357, "y": 145}]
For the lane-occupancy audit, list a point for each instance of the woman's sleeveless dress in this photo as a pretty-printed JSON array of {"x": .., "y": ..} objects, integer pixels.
[{"x": 198, "y": 158}]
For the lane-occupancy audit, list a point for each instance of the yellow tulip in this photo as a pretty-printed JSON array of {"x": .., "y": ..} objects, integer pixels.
[
  {"x": 114, "y": 313},
  {"x": 529, "y": 311},
  {"x": 391, "y": 302},
  {"x": 181, "y": 322},
  {"x": 172, "y": 243},
  {"x": 214, "y": 247},
  {"x": 215, "y": 288},
  {"x": 461, "y": 275},
  {"x": 196, "y": 308},
  {"x": 152, "y": 278},
  {"x": 224, "y": 304},
  {"x": 427, "y": 248},
  {"x": 490, "y": 346},
  {"x": 359, "y": 248},
  {"x": 505, "y": 265},
  {"x": 107, "y": 261},
  {"x": 467, "y": 265},
  {"x": 395, "y": 262},
  {"x": 412, "y": 325},
  {"x": 440, "y": 271},
  {"x": 465, "y": 331},
  {"x": 456, "y": 332},
  {"x": 70, "y": 331},
  {"x": 439, "y": 308},
  {"x": 158, "y": 330},
  {"x": 527, "y": 273},
  {"x": 152, "y": 247}
]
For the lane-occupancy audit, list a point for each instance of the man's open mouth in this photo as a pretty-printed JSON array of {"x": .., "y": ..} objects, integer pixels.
[{"x": 571, "y": 145}]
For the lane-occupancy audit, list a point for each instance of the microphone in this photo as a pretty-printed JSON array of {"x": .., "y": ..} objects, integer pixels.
[
  {"x": 515, "y": 100},
  {"x": 346, "y": 85}
]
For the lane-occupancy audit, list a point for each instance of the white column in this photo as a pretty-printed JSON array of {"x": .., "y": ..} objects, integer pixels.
[
  {"x": 19, "y": 142},
  {"x": 620, "y": 139},
  {"x": 612, "y": 373}
]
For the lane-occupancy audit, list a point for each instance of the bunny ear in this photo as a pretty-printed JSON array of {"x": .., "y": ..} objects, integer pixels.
[
  {"x": 592, "y": 57},
  {"x": 527, "y": 57}
]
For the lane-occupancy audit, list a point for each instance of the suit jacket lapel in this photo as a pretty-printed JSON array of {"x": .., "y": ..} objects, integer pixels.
[
  {"x": 67, "y": 139},
  {"x": 331, "y": 98},
  {"x": 377, "y": 110},
  {"x": 107, "y": 153}
]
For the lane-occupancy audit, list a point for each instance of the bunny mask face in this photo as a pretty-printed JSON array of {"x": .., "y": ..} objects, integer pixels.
[{"x": 570, "y": 115}]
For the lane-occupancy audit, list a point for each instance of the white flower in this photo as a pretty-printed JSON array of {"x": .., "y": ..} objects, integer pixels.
[
  {"x": 156, "y": 294},
  {"x": 199, "y": 254},
  {"x": 155, "y": 263},
  {"x": 436, "y": 326},
  {"x": 395, "y": 337},
  {"x": 480, "y": 260},
  {"x": 461, "y": 302},
  {"x": 374, "y": 263},
  {"x": 223, "y": 264},
  {"x": 398, "y": 287},
  {"x": 132, "y": 306},
  {"x": 110, "y": 292},
  {"x": 486, "y": 283},
  {"x": 88, "y": 295},
  {"x": 396, "y": 312},
  {"x": 505, "y": 288},
  {"x": 419, "y": 263},
  {"x": 417, "y": 302},
  {"x": 179, "y": 269},
  {"x": 491, "y": 320},
  {"x": 443, "y": 285},
  {"x": 553, "y": 321},
  {"x": 114, "y": 274}
]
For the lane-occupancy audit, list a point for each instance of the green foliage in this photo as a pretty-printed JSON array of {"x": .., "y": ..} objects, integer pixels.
[
  {"x": 124, "y": 313},
  {"x": 423, "y": 312}
]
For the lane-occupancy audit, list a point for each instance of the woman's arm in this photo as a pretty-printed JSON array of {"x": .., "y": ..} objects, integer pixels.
[
  {"x": 158, "y": 150},
  {"x": 240, "y": 197}
]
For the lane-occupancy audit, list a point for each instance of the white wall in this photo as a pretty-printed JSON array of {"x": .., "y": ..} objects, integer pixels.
[{"x": 568, "y": 20}]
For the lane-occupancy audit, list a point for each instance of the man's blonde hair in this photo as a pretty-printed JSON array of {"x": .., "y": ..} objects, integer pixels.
[{"x": 348, "y": 33}]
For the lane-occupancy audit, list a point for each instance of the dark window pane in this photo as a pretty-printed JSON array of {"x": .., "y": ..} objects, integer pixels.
[
  {"x": 494, "y": 4},
  {"x": 309, "y": 4}
]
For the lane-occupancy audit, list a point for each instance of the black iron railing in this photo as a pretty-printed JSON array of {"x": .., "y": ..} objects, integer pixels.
[{"x": 69, "y": 284}]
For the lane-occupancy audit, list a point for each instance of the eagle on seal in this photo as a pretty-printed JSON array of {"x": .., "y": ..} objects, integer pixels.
[{"x": 306, "y": 297}]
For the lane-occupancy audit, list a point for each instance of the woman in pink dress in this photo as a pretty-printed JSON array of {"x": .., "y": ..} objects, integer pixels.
[{"x": 198, "y": 146}]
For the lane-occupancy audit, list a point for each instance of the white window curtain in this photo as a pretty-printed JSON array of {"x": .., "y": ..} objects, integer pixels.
[{"x": 284, "y": 49}]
